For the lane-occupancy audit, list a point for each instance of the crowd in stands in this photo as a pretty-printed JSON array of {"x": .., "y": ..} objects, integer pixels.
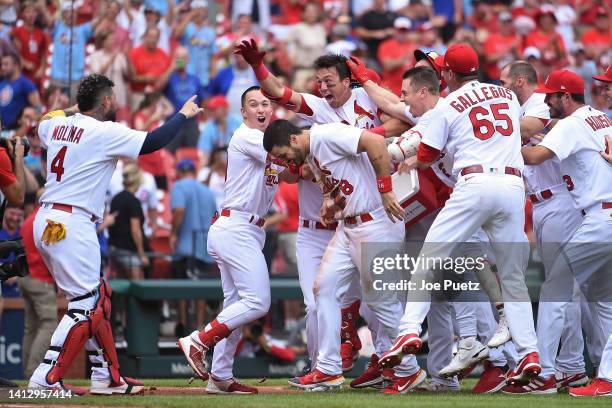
[{"x": 161, "y": 52}]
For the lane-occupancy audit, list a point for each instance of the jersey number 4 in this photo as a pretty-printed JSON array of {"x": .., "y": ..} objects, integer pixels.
[
  {"x": 57, "y": 165},
  {"x": 483, "y": 127}
]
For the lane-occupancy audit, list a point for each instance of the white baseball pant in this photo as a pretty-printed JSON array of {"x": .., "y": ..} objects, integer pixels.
[
  {"x": 310, "y": 247},
  {"x": 343, "y": 259},
  {"x": 555, "y": 220},
  {"x": 236, "y": 245},
  {"x": 495, "y": 203}
]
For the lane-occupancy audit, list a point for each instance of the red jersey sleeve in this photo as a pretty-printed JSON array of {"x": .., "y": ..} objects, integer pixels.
[{"x": 6, "y": 169}]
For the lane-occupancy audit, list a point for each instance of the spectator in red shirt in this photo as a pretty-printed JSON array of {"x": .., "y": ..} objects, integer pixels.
[
  {"x": 501, "y": 47},
  {"x": 396, "y": 54},
  {"x": 597, "y": 40},
  {"x": 31, "y": 42},
  {"x": 547, "y": 40},
  {"x": 121, "y": 37},
  {"x": 483, "y": 17},
  {"x": 148, "y": 63},
  {"x": 40, "y": 307},
  {"x": 530, "y": 8}
]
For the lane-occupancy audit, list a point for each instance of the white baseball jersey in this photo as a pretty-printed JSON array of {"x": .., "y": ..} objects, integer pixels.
[
  {"x": 82, "y": 153},
  {"x": 477, "y": 124},
  {"x": 359, "y": 110},
  {"x": 576, "y": 141},
  {"x": 548, "y": 174},
  {"x": 333, "y": 148},
  {"x": 252, "y": 180},
  {"x": 410, "y": 116}
]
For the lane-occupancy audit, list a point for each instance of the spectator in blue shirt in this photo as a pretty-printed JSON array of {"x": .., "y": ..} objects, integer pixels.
[
  {"x": 232, "y": 81},
  {"x": 200, "y": 39},
  {"x": 178, "y": 86},
  {"x": 218, "y": 129},
  {"x": 63, "y": 74},
  {"x": 16, "y": 91},
  {"x": 193, "y": 206}
]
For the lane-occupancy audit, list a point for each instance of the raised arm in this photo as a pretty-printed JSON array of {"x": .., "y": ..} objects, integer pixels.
[
  {"x": 374, "y": 146},
  {"x": 386, "y": 100},
  {"x": 271, "y": 86}
]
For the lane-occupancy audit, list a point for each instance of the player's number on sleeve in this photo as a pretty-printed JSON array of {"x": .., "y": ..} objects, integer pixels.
[
  {"x": 484, "y": 128},
  {"x": 57, "y": 165}
]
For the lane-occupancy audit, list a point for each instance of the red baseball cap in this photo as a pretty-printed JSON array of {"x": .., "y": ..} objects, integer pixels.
[
  {"x": 460, "y": 58},
  {"x": 607, "y": 77},
  {"x": 564, "y": 81},
  {"x": 217, "y": 101}
]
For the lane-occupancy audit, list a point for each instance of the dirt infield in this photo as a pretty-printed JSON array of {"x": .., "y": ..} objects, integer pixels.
[{"x": 263, "y": 389}]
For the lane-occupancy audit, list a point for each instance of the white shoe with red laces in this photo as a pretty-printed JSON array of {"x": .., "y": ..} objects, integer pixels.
[
  {"x": 402, "y": 385},
  {"x": 597, "y": 388},
  {"x": 231, "y": 386},
  {"x": 565, "y": 380},
  {"x": 529, "y": 367},
  {"x": 317, "y": 381},
  {"x": 405, "y": 344},
  {"x": 538, "y": 386},
  {"x": 348, "y": 354},
  {"x": 195, "y": 354}
]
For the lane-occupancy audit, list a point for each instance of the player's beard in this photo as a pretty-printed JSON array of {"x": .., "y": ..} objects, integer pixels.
[
  {"x": 111, "y": 115},
  {"x": 300, "y": 157}
]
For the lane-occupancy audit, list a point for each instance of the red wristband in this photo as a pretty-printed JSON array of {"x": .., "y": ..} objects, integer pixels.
[
  {"x": 384, "y": 184},
  {"x": 379, "y": 130},
  {"x": 261, "y": 72}
]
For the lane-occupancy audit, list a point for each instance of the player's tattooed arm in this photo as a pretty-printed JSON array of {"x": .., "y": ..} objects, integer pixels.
[
  {"x": 374, "y": 146},
  {"x": 536, "y": 155}
]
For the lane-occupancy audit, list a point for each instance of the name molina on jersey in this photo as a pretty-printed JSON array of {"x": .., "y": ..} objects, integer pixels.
[{"x": 67, "y": 133}]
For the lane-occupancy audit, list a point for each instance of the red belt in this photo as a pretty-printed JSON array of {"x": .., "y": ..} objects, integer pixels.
[
  {"x": 353, "y": 220},
  {"x": 254, "y": 220},
  {"x": 480, "y": 169},
  {"x": 604, "y": 206},
  {"x": 67, "y": 208},
  {"x": 545, "y": 194},
  {"x": 319, "y": 226}
]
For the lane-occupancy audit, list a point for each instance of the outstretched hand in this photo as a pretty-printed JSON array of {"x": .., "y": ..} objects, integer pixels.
[
  {"x": 190, "y": 109},
  {"x": 358, "y": 69},
  {"x": 250, "y": 52}
]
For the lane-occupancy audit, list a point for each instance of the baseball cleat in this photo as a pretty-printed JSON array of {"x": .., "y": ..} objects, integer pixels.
[
  {"x": 431, "y": 385},
  {"x": 470, "y": 351},
  {"x": 372, "y": 377},
  {"x": 597, "y": 388},
  {"x": 501, "y": 334},
  {"x": 565, "y": 380},
  {"x": 195, "y": 355},
  {"x": 529, "y": 367},
  {"x": 405, "y": 344},
  {"x": 230, "y": 386},
  {"x": 317, "y": 381},
  {"x": 402, "y": 385},
  {"x": 127, "y": 386},
  {"x": 348, "y": 354},
  {"x": 491, "y": 380},
  {"x": 537, "y": 386}
]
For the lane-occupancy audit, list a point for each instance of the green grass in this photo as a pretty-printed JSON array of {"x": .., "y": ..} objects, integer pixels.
[{"x": 342, "y": 398}]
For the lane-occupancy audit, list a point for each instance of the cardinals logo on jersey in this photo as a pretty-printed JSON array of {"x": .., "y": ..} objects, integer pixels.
[
  {"x": 362, "y": 113},
  {"x": 271, "y": 175}
]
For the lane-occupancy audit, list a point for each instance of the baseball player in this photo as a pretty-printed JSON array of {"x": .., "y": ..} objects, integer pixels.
[
  {"x": 478, "y": 125},
  {"x": 235, "y": 241},
  {"x": 82, "y": 147},
  {"x": 351, "y": 162},
  {"x": 554, "y": 218},
  {"x": 340, "y": 103},
  {"x": 417, "y": 99},
  {"x": 576, "y": 141}
]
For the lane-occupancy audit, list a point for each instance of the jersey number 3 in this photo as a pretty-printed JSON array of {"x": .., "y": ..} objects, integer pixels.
[
  {"x": 57, "y": 165},
  {"x": 480, "y": 123}
]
